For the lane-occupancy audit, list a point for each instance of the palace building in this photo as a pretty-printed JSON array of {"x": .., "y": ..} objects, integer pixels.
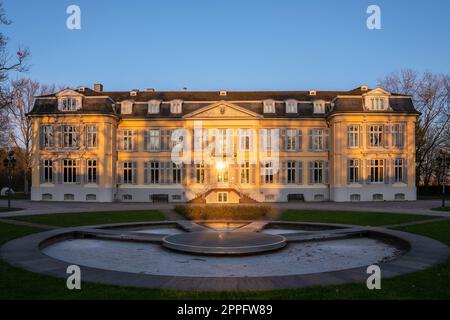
[{"x": 233, "y": 146}]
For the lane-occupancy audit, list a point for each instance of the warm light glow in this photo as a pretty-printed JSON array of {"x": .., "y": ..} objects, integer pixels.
[{"x": 220, "y": 166}]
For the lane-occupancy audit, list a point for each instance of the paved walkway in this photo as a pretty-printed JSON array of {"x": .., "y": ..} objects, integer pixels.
[{"x": 408, "y": 207}]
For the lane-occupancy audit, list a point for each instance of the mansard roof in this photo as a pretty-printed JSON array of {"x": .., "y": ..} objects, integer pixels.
[{"x": 108, "y": 102}]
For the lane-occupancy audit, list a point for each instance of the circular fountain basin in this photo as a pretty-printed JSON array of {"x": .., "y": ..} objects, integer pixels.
[{"x": 224, "y": 242}]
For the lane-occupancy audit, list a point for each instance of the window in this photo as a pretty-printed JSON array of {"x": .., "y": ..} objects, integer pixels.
[
  {"x": 377, "y": 197},
  {"x": 291, "y": 172},
  {"x": 154, "y": 140},
  {"x": 269, "y": 197},
  {"x": 127, "y": 197},
  {"x": 353, "y": 134},
  {"x": 319, "y": 106},
  {"x": 245, "y": 136},
  {"x": 317, "y": 172},
  {"x": 319, "y": 197},
  {"x": 398, "y": 135},
  {"x": 70, "y": 138},
  {"x": 268, "y": 172},
  {"x": 222, "y": 196},
  {"x": 91, "y": 197},
  {"x": 399, "y": 196},
  {"x": 398, "y": 170},
  {"x": 68, "y": 104},
  {"x": 353, "y": 170},
  {"x": 126, "y": 107},
  {"x": 291, "y": 138},
  {"x": 176, "y": 173},
  {"x": 47, "y": 171},
  {"x": 291, "y": 106},
  {"x": 154, "y": 173},
  {"x": 269, "y": 139},
  {"x": 127, "y": 140},
  {"x": 318, "y": 139},
  {"x": 222, "y": 174},
  {"x": 70, "y": 171},
  {"x": 376, "y": 135},
  {"x": 378, "y": 103},
  {"x": 200, "y": 172},
  {"x": 91, "y": 136},
  {"x": 355, "y": 197},
  {"x": 91, "y": 171},
  {"x": 269, "y": 106},
  {"x": 153, "y": 106},
  {"x": 245, "y": 172},
  {"x": 128, "y": 176},
  {"x": 47, "y": 137},
  {"x": 47, "y": 196},
  {"x": 376, "y": 170},
  {"x": 69, "y": 197},
  {"x": 175, "y": 106},
  {"x": 176, "y": 197}
]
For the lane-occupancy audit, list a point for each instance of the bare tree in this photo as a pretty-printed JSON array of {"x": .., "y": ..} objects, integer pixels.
[
  {"x": 9, "y": 63},
  {"x": 431, "y": 96},
  {"x": 20, "y": 127}
]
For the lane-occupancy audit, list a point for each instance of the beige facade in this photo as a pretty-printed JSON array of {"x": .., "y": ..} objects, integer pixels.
[{"x": 338, "y": 146}]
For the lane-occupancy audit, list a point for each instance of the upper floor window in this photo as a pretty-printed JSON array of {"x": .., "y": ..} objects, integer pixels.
[
  {"x": 126, "y": 139},
  {"x": 353, "y": 136},
  {"x": 47, "y": 136},
  {"x": 175, "y": 106},
  {"x": 269, "y": 139},
  {"x": 376, "y": 135},
  {"x": 398, "y": 135},
  {"x": 319, "y": 106},
  {"x": 153, "y": 106},
  {"x": 69, "y": 136},
  {"x": 291, "y": 138},
  {"x": 91, "y": 136},
  {"x": 318, "y": 139},
  {"x": 376, "y": 103},
  {"x": 269, "y": 106},
  {"x": 245, "y": 139},
  {"x": 200, "y": 172},
  {"x": 69, "y": 104},
  {"x": 291, "y": 106},
  {"x": 126, "y": 107}
]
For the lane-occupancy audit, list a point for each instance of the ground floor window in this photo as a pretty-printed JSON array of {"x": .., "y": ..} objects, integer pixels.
[
  {"x": 398, "y": 170},
  {"x": 377, "y": 197},
  {"x": 268, "y": 172},
  {"x": 176, "y": 173},
  {"x": 69, "y": 196},
  {"x": 353, "y": 170},
  {"x": 376, "y": 170},
  {"x": 291, "y": 172},
  {"x": 200, "y": 172},
  {"x": 222, "y": 196},
  {"x": 47, "y": 196},
  {"x": 91, "y": 171},
  {"x": 245, "y": 172},
  {"x": 47, "y": 171},
  {"x": 318, "y": 172},
  {"x": 70, "y": 171},
  {"x": 91, "y": 197},
  {"x": 355, "y": 197}
]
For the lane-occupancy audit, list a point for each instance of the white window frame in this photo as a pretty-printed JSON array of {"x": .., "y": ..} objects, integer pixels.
[
  {"x": 291, "y": 106},
  {"x": 176, "y": 106},
  {"x": 222, "y": 197},
  {"x": 377, "y": 170},
  {"x": 319, "y": 107},
  {"x": 69, "y": 104},
  {"x": 69, "y": 171},
  {"x": 48, "y": 136},
  {"x": 154, "y": 140},
  {"x": 91, "y": 136},
  {"x": 399, "y": 169},
  {"x": 318, "y": 172},
  {"x": 353, "y": 171},
  {"x": 291, "y": 139},
  {"x": 126, "y": 107},
  {"x": 128, "y": 139},
  {"x": 69, "y": 137},
  {"x": 153, "y": 106},
  {"x": 92, "y": 171},
  {"x": 376, "y": 135},
  {"x": 269, "y": 106},
  {"x": 245, "y": 139},
  {"x": 47, "y": 167},
  {"x": 318, "y": 139},
  {"x": 353, "y": 136}
]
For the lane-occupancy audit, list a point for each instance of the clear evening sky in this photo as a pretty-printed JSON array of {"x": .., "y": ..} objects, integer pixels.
[{"x": 231, "y": 45}]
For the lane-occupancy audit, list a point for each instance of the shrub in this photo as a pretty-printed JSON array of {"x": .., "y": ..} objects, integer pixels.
[{"x": 222, "y": 212}]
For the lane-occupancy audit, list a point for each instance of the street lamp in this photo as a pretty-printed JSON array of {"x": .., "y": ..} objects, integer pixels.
[{"x": 9, "y": 162}]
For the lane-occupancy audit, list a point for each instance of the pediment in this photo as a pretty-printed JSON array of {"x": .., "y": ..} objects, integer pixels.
[
  {"x": 68, "y": 92},
  {"x": 378, "y": 91},
  {"x": 223, "y": 109}
]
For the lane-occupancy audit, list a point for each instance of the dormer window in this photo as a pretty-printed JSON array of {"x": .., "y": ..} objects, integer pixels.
[
  {"x": 319, "y": 106},
  {"x": 175, "y": 106},
  {"x": 269, "y": 106},
  {"x": 133, "y": 93},
  {"x": 126, "y": 107},
  {"x": 377, "y": 103},
  {"x": 69, "y": 104},
  {"x": 291, "y": 106},
  {"x": 153, "y": 106}
]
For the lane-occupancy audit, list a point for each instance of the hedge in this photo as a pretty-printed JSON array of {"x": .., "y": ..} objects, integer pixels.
[{"x": 222, "y": 212}]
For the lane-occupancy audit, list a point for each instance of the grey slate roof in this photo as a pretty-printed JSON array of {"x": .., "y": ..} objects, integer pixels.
[{"x": 109, "y": 102}]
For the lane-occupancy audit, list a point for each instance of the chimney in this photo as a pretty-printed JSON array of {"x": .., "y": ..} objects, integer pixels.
[{"x": 98, "y": 87}]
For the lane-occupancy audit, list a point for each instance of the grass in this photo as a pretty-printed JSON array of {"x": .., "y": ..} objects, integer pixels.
[
  {"x": 441, "y": 209},
  {"x": 433, "y": 283},
  {"x": 88, "y": 218},
  {"x": 16, "y": 196},
  {"x": 350, "y": 217}
]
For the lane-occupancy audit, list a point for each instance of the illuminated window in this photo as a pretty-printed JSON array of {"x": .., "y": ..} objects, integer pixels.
[
  {"x": 91, "y": 168},
  {"x": 376, "y": 170},
  {"x": 353, "y": 134},
  {"x": 398, "y": 135},
  {"x": 353, "y": 170},
  {"x": 222, "y": 196},
  {"x": 91, "y": 136}
]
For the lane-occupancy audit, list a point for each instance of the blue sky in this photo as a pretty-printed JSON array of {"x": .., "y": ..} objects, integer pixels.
[{"x": 231, "y": 45}]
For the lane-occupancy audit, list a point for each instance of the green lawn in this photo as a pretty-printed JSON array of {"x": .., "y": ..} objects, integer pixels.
[
  {"x": 350, "y": 217},
  {"x": 441, "y": 209},
  {"x": 429, "y": 284},
  {"x": 88, "y": 218},
  {"x": 17, "y": 196}
]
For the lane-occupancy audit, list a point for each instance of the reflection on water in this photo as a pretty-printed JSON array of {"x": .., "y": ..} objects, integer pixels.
[{"x": 223, "y": 226}]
